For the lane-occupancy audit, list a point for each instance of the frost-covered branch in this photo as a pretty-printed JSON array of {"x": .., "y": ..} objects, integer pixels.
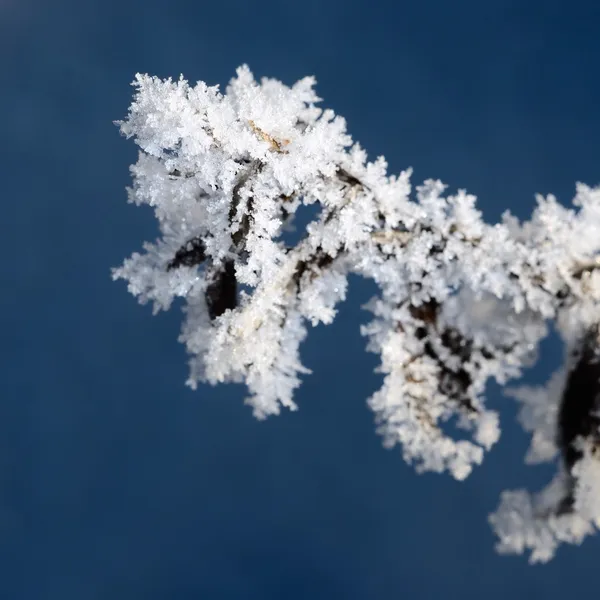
[{"x": 461, "y": 301}]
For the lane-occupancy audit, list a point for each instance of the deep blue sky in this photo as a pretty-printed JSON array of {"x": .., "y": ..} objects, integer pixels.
[{"x": 116, "y": 481}]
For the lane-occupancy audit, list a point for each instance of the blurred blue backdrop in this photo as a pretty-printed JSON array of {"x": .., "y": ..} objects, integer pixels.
[{"x": 116, "y": 481}]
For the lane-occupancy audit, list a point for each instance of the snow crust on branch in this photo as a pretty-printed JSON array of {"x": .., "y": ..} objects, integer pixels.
[{"x": 461, "y": 301}]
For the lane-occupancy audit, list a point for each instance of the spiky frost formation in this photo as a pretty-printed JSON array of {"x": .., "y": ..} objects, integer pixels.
[{"x": 461, "y": 301}]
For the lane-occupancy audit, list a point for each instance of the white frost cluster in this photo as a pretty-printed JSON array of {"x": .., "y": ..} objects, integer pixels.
[
  {"x": 539, "y": 414},
  {"x": 527, "y": 523},
  {"x": 461, "y": 301}
]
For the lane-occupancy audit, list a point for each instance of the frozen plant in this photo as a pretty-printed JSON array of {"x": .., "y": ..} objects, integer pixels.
[{"x": 461, "y": 301}]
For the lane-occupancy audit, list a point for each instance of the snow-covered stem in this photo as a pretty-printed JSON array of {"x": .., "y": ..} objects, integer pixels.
[{"x": 461, "y": 301}]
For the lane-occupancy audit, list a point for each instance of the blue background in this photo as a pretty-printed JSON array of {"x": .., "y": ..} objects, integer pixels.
[{"x": 116, "y": 481}]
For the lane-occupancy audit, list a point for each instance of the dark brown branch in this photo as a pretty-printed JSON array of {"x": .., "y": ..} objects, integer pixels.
[
  {"x": 455, "y": 383},
  {"x": 318, "y": 260},
  {"x": 580, "y": 405},
  {"x": 587, "y": 268},
  {"x": 238, "y": 237},
  {"x": 349, "y": 179},
  {"x": 191, "y": 254},
  {"x": 176, "y": 174},
  {"x": 221, "y": 293},
  {"x": 578, "y": 416}
]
